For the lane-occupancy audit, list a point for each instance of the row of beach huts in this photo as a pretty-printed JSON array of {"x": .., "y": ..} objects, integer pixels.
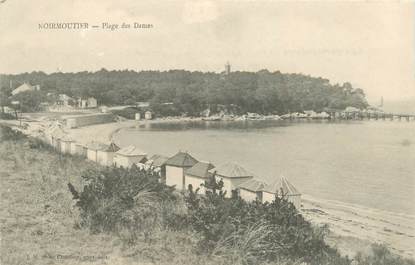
[{"x": 180, "y": 170}]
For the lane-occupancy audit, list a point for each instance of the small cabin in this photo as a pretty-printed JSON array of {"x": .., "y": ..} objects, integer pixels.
[
  {"x": 156, "y": 163},
  {"x": 78, "y": 149},
  {"x": 252, "y": 190},
  {"x": 128, "y": 156},
  {"x": 197, "y": 175},
  {"x": 56, "y": 139},
  {"x": 101, "y": 153},
  {"x": 65, "y": 144},
  {"x": 232, "y": 176},
  {"x": 148, "y": 115},
  {"x": 282, "y": 188},
  {"x": 176, "y": 167}
]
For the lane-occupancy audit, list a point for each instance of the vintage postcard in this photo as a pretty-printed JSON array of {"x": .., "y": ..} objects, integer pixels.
[{"x": 207, "y": 132}]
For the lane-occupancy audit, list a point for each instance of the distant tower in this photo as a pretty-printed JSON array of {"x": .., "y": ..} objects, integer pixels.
[
  {"x": 381, "y": 102},
  {"x": 227, "y": 68}
]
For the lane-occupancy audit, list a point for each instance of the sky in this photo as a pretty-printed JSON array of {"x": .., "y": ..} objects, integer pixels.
[{"x": 369, "y": 44}]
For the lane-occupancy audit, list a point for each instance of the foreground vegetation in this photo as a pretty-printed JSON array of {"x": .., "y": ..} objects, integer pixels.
[
  {"x": 190, "y": 93},
  {"x": 52, "y": 215}
]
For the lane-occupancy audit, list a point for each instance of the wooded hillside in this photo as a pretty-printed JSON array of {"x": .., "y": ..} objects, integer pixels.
[{"x": 191, "y": 92}]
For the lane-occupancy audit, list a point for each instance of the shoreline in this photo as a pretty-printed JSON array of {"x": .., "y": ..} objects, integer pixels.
[{"x": 353, "y": 228}]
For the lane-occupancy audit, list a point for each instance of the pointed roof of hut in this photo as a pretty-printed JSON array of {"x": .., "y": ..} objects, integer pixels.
[
  {"x": 112, "y": 147},
  {"x": 253, "y": 185},
  {"x": 66, "y": 138},
  {"x": 282, "y": 186},
  {"x": 57, "y": 132},
  {"x": 181, "y": 159},
  {"x": 158, "y": 160},
  {"x": 201, "y": 169},
  {"x": 232, "y": 170},
  {"x": 131, "y": 150}
]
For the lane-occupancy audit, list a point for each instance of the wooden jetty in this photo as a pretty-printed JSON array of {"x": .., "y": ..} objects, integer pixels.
[{"x": 362, "y": 115}]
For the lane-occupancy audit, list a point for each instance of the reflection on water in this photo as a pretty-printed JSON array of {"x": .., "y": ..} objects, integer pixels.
[{"x": 370, "y": 163}]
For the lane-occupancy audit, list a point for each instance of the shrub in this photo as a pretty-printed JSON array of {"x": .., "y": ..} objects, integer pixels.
[
  {"x": 35, "y": 143},
  {"x": 283, "y": 232},
  {"x": 7, "y": 116},
  {"x": 8, "y": 134},
  {"x": 116, "y": 199},
  {"x": 381, "y": 255}
]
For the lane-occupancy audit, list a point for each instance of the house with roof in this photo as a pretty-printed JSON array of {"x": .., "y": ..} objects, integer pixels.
[
  {"x": 128, "y": 156},
  {"x": 24, "y": 88},
  {"x": 282, "y": 188},
  {"x": 64, "y": 100},
  {"x": 102, "y": 153},
  {"x": 197, "y": 175},
  {"x": 252, "y": 190},
  {"x": 232, "y": 176},
  {"x": 87, "y": 103},
  {"x": 176, "y": 167}
]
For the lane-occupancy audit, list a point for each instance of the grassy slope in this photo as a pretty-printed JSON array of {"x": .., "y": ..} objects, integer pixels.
[
  {"x": 39, "y": 221},
  {"x": 37, "y": 217}
]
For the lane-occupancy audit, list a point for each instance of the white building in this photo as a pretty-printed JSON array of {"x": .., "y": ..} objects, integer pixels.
[
  {"x": 176, "y": 167},
  {"x": 53, "y": 132},
  {"x": 78, "y": 149},
  {"x": 65, "y": 100},
  {"x": 86, "y": 103},
  {"x": 282, "y": 188},
  {"x": 232, "y": 176},
  {"x": 127, "y": 156},
  {"x": 197, "y": 175},
  {"x": 148, "y": 115},
  {"x": 252, "y": 190},
  {"x": 65, "y": 143},
  {"x": 24, "y": 88},
  {"x": 101, "y": 153},
  {"x": 55, "y": 136}
]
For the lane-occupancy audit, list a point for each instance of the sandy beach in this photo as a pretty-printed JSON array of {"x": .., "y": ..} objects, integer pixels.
[
  {"x": 349, "y": 222},
  {"x": 103, "y": 132}
]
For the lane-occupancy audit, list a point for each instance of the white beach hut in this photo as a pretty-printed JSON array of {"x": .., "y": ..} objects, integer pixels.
[
  {"x": 176, "y": 167},
  {"x": 102, "y": 153},
  {"x": 57, "y": 134},
  {"x": 197, "y": 175},
  {"x": 156, "y": 163},
  {"x": 148, "y": 115},
  {"x": 65, "y": 143},
  {"x": 78, "y": 149},
  {"x": 127, "y": 156},
  {"x": 252, "y": 190},
  {"x": 282, "y": 188},
  {"x": 232, "y": 176}
]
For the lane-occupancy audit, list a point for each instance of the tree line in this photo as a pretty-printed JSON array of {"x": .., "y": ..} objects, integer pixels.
[{"x": 178, "y": 92}]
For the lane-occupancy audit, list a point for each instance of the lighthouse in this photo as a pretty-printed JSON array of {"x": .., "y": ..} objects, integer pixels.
[{"x": 227, "y": 68}]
